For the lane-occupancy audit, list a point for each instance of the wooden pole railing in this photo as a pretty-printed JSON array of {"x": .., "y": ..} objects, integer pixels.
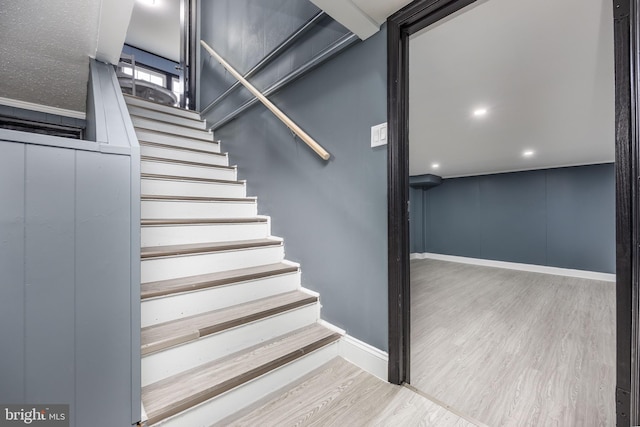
[{"x": 275, "y": 110}]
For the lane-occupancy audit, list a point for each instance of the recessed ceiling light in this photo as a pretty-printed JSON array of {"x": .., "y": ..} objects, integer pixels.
[
  {"x": 480, "y": 112},
  {"x": 528, "y": 153},
  {"x": 435, "y": 165}
]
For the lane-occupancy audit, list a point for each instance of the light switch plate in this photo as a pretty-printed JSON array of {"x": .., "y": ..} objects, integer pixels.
[{"x": 379, "y": 135}]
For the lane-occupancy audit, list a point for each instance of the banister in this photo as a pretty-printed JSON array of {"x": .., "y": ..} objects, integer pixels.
[
  {"x": 324, "y": 55},
  {"x": 275, "y": 53},
  {"x": 275, "y": 110}
]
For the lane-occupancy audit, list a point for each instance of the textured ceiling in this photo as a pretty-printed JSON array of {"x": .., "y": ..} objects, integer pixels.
[
  {"x": 543, "y": 69},
  {"x": 45, "y": 47},
  {"x": 156, "y": 28}
]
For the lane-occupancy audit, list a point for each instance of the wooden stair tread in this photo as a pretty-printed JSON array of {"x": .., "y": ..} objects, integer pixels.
[
  {"x": 179, "y": 392},
  {"x": 173, "y": 129},
  {"x": 199, "y": 221},
  {"x": 151, "y": 105},
  {"x": 189, "y": 179},
  {"x": 185, "y": 162},
  {"x": 192, "y": 283},
  {"x": 147, "y": 197},
  {"x": 137, "y": 115},
  {"x": 195, "y": 248},
  {"x": 165, "y": 116},
  {"x": 145, "y": 143},
  {"x": 169, "y": 334}
]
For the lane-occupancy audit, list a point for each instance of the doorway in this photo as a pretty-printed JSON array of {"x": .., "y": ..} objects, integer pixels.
[{"x": 401, "y": 27}]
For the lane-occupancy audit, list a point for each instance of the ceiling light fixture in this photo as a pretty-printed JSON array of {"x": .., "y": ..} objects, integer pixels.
[
  {"x": 480, "y": 112},
  {"x": 528, "y": 153},
  {"x": 435, "y": 165}
]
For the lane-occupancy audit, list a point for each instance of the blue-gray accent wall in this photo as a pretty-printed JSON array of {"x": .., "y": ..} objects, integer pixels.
[
  {"x": 562, "y": 217},
  {"x": 245, "y": 31},
  {"x": 333, "y": 215}
]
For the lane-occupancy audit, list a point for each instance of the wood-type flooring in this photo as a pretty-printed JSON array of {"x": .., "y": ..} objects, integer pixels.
[
  {"x": 513, "y": 348},
  {"x": 341, "y": 394}
]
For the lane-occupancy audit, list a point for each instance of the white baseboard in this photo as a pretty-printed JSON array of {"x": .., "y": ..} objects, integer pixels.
[
  {"x": 42, "y": 108},
  {"x": 583, "y": 274},
  {"x": 361, "y": 354}
]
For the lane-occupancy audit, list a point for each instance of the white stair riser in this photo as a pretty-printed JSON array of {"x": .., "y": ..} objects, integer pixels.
[
  {"x": 161, "y": 138},
  {"x": 189, "y": 156},
  {"x": 184, "y": 234},
  {"x": 169, "y": 118},
  {"x": 171, "y": 307},
  {"x": 160, "y": 209},
  {"x": 163, "y": 364},
  {"x": 156, "y": 187},
  {"x": 220, "y": 407},
  {"x": 192, "y": 265},
  {"x": 143, "y": 123},
  {"x": 187, "y": 171},
  {"x": 160, "y": 107}
]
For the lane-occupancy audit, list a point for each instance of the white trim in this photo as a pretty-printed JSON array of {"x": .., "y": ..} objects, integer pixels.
[
  {"x": 42, "y": 108},
  {"x": 365, "y": 356},
  {"x": 361, "y": 354},
  {"x": 583, "y": 274},
  {"x": 143, "y": 414},
  {"x": 560, "y": 166}
]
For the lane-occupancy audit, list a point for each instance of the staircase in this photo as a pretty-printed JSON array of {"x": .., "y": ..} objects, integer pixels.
[{"x": 225, "y": 321}]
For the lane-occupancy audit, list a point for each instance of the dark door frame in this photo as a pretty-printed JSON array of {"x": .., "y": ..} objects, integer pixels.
[
  {"x": 422, "y": 13},
  {"x": 188, "y": 46}
]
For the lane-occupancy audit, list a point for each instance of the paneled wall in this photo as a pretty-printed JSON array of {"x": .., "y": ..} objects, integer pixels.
[
  {"x": 562, "y": 217},
  {"x": 69, "y": 268}
]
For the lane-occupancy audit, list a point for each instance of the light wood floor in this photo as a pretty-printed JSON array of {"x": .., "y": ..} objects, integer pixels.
[
  {"x": 512, "y": 348},
  {"x": 340, "y": 394}
]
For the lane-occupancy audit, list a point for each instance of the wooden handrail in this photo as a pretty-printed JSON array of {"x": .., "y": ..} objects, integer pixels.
[{"x": 275, "y": 110}]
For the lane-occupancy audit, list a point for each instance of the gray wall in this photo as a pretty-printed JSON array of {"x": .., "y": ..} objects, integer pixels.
[
  {"x": 333, "y": 215},
  {"x": 68, "y": 226},
  {"x": 561, "y": 217},
  {"x": 245, "y": 31},
  {"x": 37, "y": 116}
]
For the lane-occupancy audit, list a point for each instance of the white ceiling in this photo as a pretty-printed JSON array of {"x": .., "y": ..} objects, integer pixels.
[
  {"x": 361, "y": 17},
  {"x": 380, "y": 10},
  {"x": 543, "y": 69},
  {"x": 156, "y": 28},
  {"x": 45, "y": 47}
]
